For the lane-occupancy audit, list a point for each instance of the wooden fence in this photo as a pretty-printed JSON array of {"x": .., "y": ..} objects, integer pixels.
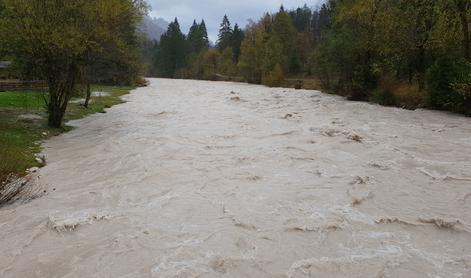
[{"x": 20, "y": 85}]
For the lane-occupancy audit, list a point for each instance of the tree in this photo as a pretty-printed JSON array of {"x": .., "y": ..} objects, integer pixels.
[
  {"x": 113, "y": 58},
  {"x": 204, "y": 34},
  {"x": 225, "y": 34},
  {"x": 463, "y": 7},
  {"x": 197, "y": 37},
  {"x": 193, "y": 38},
  {"x": 237, "y": 38},
  {"x": 171, "y": 53},
  {"x": 275, "y": 77},
  {"x": 302, "y": 18},
  {"x": 226, "y": 65},
  {"x": 283, "y": 29},
  {"x": 206, "y": 65},
  {"x": 272, "y": 56},
  {"x": 52, "y": 35},
  {"x": 251, "y": 57}
]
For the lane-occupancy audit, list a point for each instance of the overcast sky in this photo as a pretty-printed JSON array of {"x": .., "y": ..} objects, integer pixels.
[{"x": 212, "y": 11}]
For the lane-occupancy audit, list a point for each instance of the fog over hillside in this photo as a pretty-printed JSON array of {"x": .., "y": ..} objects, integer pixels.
[{"x": 153, "y": 28}]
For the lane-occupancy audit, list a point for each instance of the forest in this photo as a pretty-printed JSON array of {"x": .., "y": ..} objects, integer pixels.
[{"x": 406, "y": 53}]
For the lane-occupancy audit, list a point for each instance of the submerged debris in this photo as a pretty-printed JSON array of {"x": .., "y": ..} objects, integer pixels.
[
  {"x": 287, "y": 116},
  {"x": 22, "y": 189},
  {"x": 360, "y": 180},
  {"x": 355, "y": 137},
  {"x": 71, "y": 221},
  {"x": 236, "y": 98},
  {"x": 330, "y": 132},
  {"x": 452, "y": 224},
  {"x": 394, "y": 220}
]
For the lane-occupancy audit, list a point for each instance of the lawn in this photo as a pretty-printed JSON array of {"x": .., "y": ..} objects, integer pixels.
[
  {"x": 25, "y": 99},
  {"x": 23, "y": 125}
]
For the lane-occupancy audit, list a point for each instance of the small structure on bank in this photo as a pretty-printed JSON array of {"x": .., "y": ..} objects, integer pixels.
[{"x": 5, "y": 72}]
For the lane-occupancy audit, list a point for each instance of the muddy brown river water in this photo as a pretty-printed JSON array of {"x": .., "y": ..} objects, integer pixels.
[{"x": 206, "y": 179}]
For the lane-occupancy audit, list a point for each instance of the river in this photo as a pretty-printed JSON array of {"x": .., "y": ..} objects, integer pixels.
[{"x": 216, "y": 179}]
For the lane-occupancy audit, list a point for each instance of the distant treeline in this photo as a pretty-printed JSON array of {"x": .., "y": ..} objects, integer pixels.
[{"x": 409, "y": 53}]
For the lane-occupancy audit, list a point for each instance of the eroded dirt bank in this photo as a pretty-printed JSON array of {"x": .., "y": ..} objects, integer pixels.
[{"x": 190, "y": 180}]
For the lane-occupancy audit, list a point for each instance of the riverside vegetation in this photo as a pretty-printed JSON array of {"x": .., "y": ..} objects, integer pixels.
[
  {"x": 407, "y": 53},
  {"x": 71, "y": 45},
  {"x": 23, "y": 124}
]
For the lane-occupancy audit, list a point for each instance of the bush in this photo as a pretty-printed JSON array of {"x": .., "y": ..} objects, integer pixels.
[
  {"x": 364, "y": 80},
  {"x": 394, "y": 92},
  {"x": 384, "y": 97},
  {"x": 141, "y": 82},
  {"x": 446, "y": 80},
  {"x": 409, "y": 96},
  {"x": 275, "y": 77},
  {"x": 299, "y": 85},
  {"x": 463, "y": 88}
]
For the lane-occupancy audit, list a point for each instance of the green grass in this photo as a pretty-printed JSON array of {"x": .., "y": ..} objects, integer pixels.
[
  {"x": 18, "y": 144},
  {"x": 19, "y": 137},
  {"x": 25, "y": 99},
  {"x": 98, "y": 104}
]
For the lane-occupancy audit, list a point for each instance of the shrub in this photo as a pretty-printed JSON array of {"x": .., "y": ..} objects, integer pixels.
[
  {"x": 363, "y": 81},
  {"x": 446, "y": 85},
  {"x": 394, "y": 92},
  {"x": 463, "y": 88},
  {"x": 409, "y": 96},
  {"x": 275, "y": 77},
  {"x": 299, "y": 85},
  {"x": 384, "y": 97}
]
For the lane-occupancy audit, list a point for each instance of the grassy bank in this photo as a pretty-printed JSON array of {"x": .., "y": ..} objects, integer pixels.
[{"x": 23, "y": 124}]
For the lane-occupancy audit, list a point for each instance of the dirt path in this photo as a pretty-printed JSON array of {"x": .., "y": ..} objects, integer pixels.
[{"x": 190, "y": 180}]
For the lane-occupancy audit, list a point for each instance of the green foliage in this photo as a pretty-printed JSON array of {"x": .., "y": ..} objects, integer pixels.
[
  {"x": 350, "y": 47},
  {"x": 273, "y": 55},
  {"x": 251, "y": 59},
  {"x": 448, "y": 83},
  {"x": 284, "y": 31},
  {"x": 275, "y": 77},
  {"x": 206, "y": 65},
  {"x": 384, "y": 97},
  {"x": 301, "y": 18},
  {"x": 226, "y": 65},
  {"x": 225, "y": 34},
  {"x": 236, "y": 41},
  {"x": 54, "y": 40},
  {"x": 171, "y": 54},
  {"x": 197, "y": 39}
]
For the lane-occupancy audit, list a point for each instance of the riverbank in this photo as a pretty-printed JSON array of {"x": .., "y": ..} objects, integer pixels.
[{"x": 23, "y": 125}]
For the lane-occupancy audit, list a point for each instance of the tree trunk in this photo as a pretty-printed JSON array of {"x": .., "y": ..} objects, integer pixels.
[
  {"x": 60, "y": 92},
  {"x": 55, "y": 115},
  {"x": 89, "y": 94}
]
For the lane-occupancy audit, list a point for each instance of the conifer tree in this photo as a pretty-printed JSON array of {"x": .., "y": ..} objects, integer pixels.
[
  {"x": 171, "y": 54},
  {"x": 237, "y": 38},
  {"x": 204, "y": 34},
  {"x": 225, "y": 34},
  {"x": 194, "y": 38}
]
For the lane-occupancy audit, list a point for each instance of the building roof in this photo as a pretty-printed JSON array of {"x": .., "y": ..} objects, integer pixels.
[{"x": 5, "y": 64}]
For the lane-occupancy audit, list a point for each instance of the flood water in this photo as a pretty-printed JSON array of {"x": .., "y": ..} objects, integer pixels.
[{"x": 214, "y": 179}]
